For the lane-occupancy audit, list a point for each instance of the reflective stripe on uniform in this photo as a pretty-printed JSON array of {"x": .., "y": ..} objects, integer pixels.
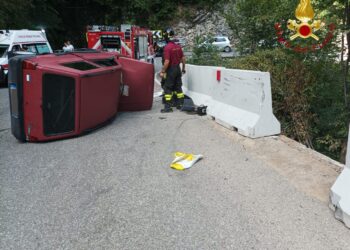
[
  {"x": 180, "y": 95},
  {"x": 167, "y": 97}
]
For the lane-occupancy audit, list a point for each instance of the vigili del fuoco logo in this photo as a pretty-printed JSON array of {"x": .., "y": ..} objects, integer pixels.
[{"x": 304, "y": 28}]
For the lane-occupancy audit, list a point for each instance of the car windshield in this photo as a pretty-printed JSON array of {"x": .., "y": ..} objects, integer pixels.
[
  {"x": 37, "y": 48},
  {"x": 43, "y": 48},
  {"x": 161, "y": 43},
  {"x": 3, "y": 50},
  {"x": 220, "y": 39}
]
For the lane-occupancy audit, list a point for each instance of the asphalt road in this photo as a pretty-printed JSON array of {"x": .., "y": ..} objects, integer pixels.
[{"x": 113, "y": 189}]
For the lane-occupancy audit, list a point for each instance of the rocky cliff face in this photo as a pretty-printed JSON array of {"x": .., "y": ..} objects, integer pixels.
[{"x": 203, "y": 23}]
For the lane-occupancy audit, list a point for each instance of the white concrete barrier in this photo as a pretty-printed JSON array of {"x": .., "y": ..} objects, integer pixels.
[
  {"x": 340, "y": 193},
  {"x": 237, "y": 99},
  {"x": 199, "y": 84}
]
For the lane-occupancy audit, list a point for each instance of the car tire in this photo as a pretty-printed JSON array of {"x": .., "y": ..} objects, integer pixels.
[{"x": 227, "y": 49}]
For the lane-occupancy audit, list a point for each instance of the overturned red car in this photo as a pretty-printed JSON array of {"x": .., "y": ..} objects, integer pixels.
[{"x": 64, "y": 95}]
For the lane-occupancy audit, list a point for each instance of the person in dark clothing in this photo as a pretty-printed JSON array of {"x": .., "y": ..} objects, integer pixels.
[{"x": 171, "y": 73}]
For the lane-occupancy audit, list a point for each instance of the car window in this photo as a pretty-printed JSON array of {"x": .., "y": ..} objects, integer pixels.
[
  {"x": 161, "y": 44},
  {"x": 43, "y": 48},
  {"x": 106, "y": 62},
  {"x": 220, "y": 39},
  {"x": 80, "y": 65},
  {"x": 142, "y": 47},
  {"x": 3, "y": 50},
  {"x": 16, "y": 48},
  {"x": 111, "y": 42},
  {"x": 29, "y": 48},
  {"x": 37, "y": 48}
]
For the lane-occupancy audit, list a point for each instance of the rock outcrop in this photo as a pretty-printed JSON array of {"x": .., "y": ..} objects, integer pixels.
[{"x": 203, "y": 23}]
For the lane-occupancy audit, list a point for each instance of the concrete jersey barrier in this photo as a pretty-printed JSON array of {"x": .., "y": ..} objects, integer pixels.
[
  {"x": 195, "y": 83},
  {"x": 340, "y": 193},
  {"x": 237, "y": 99}
]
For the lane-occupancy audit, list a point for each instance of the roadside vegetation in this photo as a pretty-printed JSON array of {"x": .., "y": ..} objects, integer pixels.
[{"x": 311, "y": 89}]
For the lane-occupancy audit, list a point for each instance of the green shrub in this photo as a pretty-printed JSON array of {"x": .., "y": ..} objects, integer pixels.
[{"x": 204, "y": 53}]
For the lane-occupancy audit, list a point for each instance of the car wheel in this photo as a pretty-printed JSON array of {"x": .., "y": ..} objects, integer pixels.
[{"x": 227, "y": 49}]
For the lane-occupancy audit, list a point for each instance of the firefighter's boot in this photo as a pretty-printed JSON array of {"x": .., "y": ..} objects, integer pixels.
[
  {"x": 179, "y": 103},
  {"x": 167, "y": 108},
  {"x": 167, "y": 105}
]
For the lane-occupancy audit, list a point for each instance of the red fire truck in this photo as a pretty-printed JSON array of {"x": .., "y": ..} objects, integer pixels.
[{"x": 128, "y": 40}]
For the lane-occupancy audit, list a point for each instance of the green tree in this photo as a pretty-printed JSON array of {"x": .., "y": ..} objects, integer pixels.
[
  {"x": 253, "y": 22},
  {"x": 15, "y": 14}
]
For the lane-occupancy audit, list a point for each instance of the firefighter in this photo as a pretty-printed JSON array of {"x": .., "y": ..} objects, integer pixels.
[{"x": 171, "y": 73}]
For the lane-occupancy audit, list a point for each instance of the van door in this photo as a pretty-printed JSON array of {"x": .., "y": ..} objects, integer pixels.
[{"x": 137, "y": 85}]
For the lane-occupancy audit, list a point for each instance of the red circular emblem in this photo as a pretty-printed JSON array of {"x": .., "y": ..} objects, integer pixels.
[{"x": 305, "y": 30}]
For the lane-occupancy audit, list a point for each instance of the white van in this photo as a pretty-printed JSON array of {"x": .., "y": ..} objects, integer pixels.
[{"x": 33, "y": 41}]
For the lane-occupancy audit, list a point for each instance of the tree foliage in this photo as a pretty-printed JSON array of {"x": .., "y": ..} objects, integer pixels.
[
  {"x": 64, "y": 19},
  {"x": 253, "y": 22},
  {"x": 15, "y": 13}
]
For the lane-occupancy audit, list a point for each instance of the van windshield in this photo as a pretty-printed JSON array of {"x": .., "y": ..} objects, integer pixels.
[
  {"x": 3, "y": 50},
  {"x": 37, "y": 48}
]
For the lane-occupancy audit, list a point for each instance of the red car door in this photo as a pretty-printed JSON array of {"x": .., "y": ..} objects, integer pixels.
[{"x": 137, "y": 85}]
